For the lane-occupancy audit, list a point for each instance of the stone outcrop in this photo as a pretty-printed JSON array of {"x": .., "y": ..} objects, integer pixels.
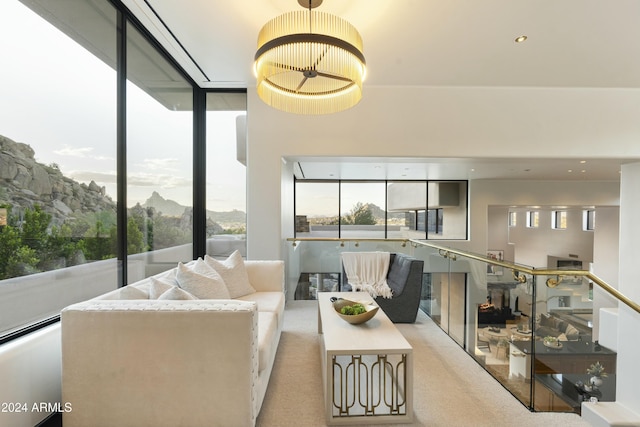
[{"x": 25, "y": 183}]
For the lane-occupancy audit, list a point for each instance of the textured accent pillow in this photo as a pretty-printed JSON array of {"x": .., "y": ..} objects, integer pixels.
[
  {"x": 233, "y": 273},
  {"x": 176, "y": 293},
  {"x": 159, "y": 287},
  {"x": 210, "y": 286}
]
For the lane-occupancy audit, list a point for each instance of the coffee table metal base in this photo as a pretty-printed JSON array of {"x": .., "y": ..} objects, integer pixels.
[{"x": 367, "y": 368}]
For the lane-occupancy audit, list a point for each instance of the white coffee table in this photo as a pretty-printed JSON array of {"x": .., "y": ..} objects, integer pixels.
[{"x": 367, "y": 368}]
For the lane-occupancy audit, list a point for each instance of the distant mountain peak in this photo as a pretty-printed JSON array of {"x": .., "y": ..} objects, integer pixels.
[{"x": 165, "y": 206}]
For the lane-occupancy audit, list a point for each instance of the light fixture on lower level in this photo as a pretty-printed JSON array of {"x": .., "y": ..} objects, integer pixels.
[{"x": 309, "y": 62}]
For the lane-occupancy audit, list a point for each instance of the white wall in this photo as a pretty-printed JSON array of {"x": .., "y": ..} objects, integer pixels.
[
  {"x": 629, "y": 321},
  {"x": 606, "y": 242},
  {"x": 434, "y": 122},
  {"x": 533, "y": 246},
  {"x": 498, "y": 237},
  {"x": 30, "y": 368}
]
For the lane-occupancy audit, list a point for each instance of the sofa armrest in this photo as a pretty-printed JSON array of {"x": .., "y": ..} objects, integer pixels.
[
  {"x": 266, "y": 276},
  {"x": 161, "y": 363}
]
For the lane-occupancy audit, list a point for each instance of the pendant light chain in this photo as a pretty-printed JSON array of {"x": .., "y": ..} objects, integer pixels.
[{"x": 310, "y": 32}]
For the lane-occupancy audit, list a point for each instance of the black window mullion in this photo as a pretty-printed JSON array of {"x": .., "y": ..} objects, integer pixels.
[
  {"x": 199, "y": 173},
  {"x": 121, "y": 150}
]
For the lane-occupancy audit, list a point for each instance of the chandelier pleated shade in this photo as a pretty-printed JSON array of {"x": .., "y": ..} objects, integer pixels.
[{"x": 309, "y": 64}]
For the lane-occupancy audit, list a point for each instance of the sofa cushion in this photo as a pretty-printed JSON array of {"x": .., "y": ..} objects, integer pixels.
[
  {"x": 267, "y": 330},
  {"x": 176, "y": 293},
  {"x": 572, "y": 332},
  {"x": 267, "y": 301},
  {"x": 398, "y": 273},
  {"x": 233, "y": 273},
  {"x": 204, "y": 286},
  {"x": 547, "y": 321},
  {"x": 546, "y": 331}
]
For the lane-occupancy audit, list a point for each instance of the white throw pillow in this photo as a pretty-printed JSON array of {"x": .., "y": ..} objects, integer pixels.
[
  {"x": 210, "y": 286},
  {"x": 233, "y": 273},
  {"x": 176, "y": 293},
  {"x": 159, "y": 287},
  {"x": 129, "y": 292}
]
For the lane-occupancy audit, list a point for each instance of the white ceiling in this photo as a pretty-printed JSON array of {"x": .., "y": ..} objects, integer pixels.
[
  {"x": 459, "y": 168},
  {"x": 426, "y": 43}
]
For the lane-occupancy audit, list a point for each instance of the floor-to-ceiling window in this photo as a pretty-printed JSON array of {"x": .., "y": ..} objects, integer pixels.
[
  {"x": 57, "y": 157},
  {"x": 159, "y": 151},
  {"x": 226, "y": 199},
  {"x": 100, "y": 136}
]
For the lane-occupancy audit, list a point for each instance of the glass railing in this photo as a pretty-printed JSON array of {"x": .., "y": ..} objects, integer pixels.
[{"x": 534, "y": 330}]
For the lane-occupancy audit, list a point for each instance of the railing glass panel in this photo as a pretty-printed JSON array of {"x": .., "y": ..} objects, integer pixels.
[{"x": 531, "y": 329}]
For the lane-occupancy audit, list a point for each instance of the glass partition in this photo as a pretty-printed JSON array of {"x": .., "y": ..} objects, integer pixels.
[
  {"x": 531, "y": 329},
  {"x": 317, "y": 265}
]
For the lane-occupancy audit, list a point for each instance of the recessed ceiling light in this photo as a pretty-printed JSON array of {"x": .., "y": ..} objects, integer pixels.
[
  {"x": 583, "y": 162},
  {"x": 520, "y": 39},
  {"x": 583, "y": 171},
  {"x": 570, "y": 170}
]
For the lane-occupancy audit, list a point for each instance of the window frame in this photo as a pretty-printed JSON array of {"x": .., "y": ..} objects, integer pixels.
[
  {"x": 439, "y": 212},
  {"x": 123, "y": 18}
]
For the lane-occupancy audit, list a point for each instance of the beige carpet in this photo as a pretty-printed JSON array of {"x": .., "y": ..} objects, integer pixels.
[{"x": 450, "y": 388}]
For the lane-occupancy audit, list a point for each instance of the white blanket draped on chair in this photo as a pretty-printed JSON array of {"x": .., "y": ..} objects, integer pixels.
[{"x": 367, "y": 271}]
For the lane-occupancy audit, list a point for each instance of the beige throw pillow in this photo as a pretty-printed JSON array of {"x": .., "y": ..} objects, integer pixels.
[
  {"x": 571, "y": 332},
  {"x": 176, "y": 293},
  {"x": 159, "y": 287},
  {"x": 209, "y": 286},
  {"x": 233, "y": 273}
]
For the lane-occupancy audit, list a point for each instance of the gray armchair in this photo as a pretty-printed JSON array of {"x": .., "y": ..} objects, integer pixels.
[{"x": 405, "y": 280}]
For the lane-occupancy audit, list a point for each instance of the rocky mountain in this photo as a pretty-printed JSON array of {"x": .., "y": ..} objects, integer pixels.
[
  {"x": 164, "y": 206},
  {"x": 172, "y": 208},
  {"x": 26, "y": 183}
]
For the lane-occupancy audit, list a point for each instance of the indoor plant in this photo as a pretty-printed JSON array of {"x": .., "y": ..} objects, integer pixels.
[{"x": 596, "y": 370}]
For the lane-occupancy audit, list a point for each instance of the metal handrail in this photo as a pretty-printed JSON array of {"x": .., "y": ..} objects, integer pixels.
[
  {"x": 541, "y": 272},
  {"x": 447, "y": 252}
]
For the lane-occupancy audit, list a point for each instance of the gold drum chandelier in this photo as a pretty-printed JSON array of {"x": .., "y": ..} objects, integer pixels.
[{"x": 309, "y": 62}]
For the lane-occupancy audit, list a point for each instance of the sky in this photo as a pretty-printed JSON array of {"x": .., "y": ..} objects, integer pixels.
[{"x": 60, "y": 99}]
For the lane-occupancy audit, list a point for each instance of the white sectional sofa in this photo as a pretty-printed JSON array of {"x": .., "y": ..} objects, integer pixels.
[{"x": 128, "y": 360}]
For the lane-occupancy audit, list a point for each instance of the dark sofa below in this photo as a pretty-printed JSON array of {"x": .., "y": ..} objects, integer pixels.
[
  {"x": 555, "y": 326},
  {"x": 405, "y": 280}
]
